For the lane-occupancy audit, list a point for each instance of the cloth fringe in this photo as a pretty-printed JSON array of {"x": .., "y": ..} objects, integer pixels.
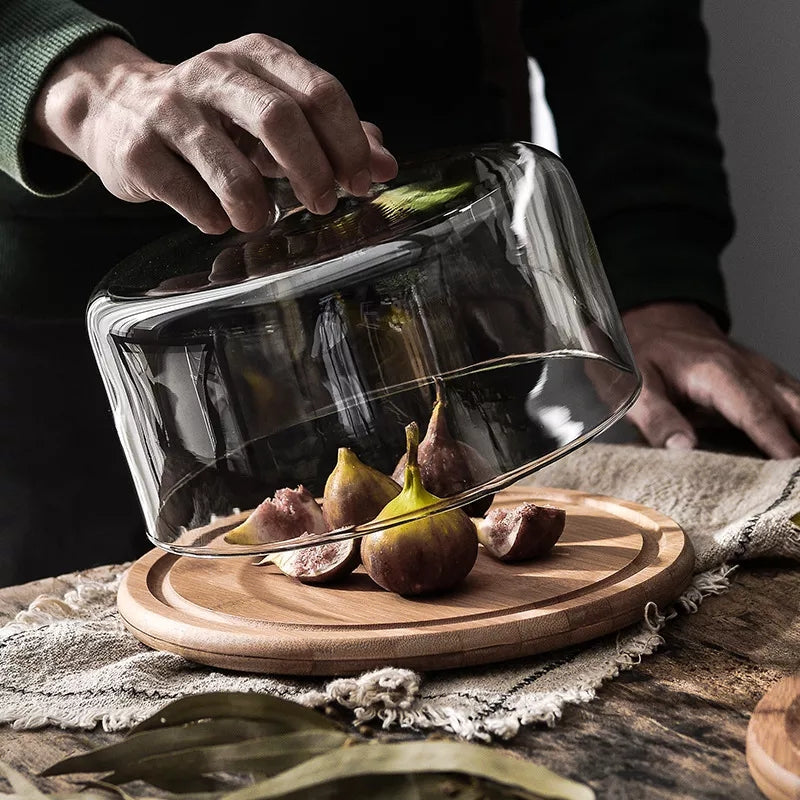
[{"x": 389, "y": 695}]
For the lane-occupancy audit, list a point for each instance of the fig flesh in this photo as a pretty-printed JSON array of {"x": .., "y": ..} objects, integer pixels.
[
  {"x": 289, "y": 513},
  {"x": 427, "y": 555},
  {"x": 522, "y": 533},
  {"x": 449, "y": 466},
  {"x": 323, "y": 563},
  {"x": 355, "y": 492}
]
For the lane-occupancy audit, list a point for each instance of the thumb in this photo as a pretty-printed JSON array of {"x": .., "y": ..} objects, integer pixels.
[{"x": 659, "y": 421}]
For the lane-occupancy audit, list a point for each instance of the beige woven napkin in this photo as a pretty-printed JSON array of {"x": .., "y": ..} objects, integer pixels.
[{"x": 67, "y": 660}]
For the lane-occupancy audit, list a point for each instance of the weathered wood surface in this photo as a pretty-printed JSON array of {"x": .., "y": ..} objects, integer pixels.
[{"x": 673, "y": 727}]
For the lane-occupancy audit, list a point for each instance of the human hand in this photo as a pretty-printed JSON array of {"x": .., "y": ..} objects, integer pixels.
[
  {"x": 685, "y": 358},
  {"x": 201, "y": 135}
]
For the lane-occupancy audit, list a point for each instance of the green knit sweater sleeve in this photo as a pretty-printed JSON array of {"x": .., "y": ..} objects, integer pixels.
[{"x": 34, "y": 36}]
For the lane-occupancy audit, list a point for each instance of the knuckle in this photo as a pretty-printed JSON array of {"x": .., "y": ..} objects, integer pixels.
[
  {"x": 276, "y": 111},
  {"x": 254, "y": 41},
  {"x": 261, "y": 45},
  {"x": 761, "y": 410},
  {"x": 712, "y": 368},
  {"x": 322, "y": 90},
  {"x": 210, "y": 60}
]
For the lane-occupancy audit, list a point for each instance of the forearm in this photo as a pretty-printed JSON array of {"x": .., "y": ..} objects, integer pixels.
[
  {"x": 629, "y": 88},
  {"x": 35, "y": 37}
]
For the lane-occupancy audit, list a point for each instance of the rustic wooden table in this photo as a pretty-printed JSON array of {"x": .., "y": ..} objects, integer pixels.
[{"x": 673, "y": 727}]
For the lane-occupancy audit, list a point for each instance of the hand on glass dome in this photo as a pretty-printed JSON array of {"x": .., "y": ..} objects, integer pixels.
[{"x": 201, "y": 135}]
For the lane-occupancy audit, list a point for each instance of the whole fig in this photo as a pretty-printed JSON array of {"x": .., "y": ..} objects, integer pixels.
[
  {"x": 355, "y": 492},
  {"x": 427, "y": 555},
  {"x": 449, "y": 466}
]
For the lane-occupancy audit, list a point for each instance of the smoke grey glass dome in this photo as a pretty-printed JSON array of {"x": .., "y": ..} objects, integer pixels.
[{"x": 238, "y": 365}]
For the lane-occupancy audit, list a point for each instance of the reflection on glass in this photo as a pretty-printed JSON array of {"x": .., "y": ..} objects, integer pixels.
[{"x": 238, "y": 365}]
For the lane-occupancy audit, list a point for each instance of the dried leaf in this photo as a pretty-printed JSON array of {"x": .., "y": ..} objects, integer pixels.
[
  {"x": 203, "y": 743},
  {"x": 267, "y": 755},
  {"x": 404, "y": 758},
  {"x": 161, "y": 741},
  {"x": 236, "y": 705}
]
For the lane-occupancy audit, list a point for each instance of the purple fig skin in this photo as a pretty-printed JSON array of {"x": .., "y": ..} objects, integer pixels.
[
  {"x": 449, "y": 466},
  {"x": 522, "y": 533},
  {"x": 325, "y": 563},
  {"x": 355, "y": 492},
  {"x": 413, "y": 565},
  {"x": 426, "y": 556}
]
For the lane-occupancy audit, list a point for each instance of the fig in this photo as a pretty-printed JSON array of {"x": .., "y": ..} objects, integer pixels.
[
  {"x": 449, "y": 466},
  {"x": 355, "y": 492},
  {"x": 323, "y": 563},
  {"x": 522, "y": 533},
  {"x": 427, "y": 555},
  {"x": 289, "y": 513}
]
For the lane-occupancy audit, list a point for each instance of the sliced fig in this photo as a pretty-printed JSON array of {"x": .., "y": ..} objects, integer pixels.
[
  {"x": 522, "y": 533},
  {"x": 322, "y": 563},
  {"x": 289, "y": 513}
]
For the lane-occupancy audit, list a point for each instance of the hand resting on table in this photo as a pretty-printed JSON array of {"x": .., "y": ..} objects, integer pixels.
[{"x": 687, "y": 361}]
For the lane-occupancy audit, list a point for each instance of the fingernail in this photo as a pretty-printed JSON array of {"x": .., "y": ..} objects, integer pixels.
[
  {"x": 361, "y": 183},
  {"x": 326, "y": 203},
  {"x": 679, "y": 441}
]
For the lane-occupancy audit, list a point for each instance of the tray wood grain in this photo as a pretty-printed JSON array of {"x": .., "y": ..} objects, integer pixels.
[
  {"x": 613, "y": 557},
  {"x": 773, "y": 741}
]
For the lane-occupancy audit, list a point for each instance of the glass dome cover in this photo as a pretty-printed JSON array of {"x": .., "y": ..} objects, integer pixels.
[{"x": 239, "y": 365}]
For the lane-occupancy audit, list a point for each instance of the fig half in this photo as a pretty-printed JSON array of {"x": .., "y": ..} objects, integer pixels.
[
  {"x": 522, "y": 533},
  {"x": 290, "y": 513},
  {"x": 322, "y": 563}
]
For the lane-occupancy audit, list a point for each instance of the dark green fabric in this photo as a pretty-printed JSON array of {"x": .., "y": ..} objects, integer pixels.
[
  {"x": 627, "y": 81},
  {"x": 35, "y": 35}
]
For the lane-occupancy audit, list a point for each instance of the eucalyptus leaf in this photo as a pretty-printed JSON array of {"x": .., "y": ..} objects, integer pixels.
[
  {"x": 419, "y": 786},
  {"x": 237, "y": 705},
  {"x": 110, "y": 788},
  {"x": 267, "y": 755},
  {"x": 404, "y": 758},
  {"x": 161, "y": 741}
]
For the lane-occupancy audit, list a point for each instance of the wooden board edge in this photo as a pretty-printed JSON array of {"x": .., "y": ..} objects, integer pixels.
[{"x": 775, "y": 772}]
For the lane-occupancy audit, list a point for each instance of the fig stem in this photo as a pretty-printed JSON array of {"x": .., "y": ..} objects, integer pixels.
[
  {"x": 412, "y": 443},
  {"x": 439, "y": 390}
]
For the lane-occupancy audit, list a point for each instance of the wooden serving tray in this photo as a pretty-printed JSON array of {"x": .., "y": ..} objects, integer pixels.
[
  {"x": 773, "y": 741},
  {"x": 613, "y": 557}
]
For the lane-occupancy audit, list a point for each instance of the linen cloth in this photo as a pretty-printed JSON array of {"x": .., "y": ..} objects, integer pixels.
[{"x": 67, "y": 660}]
